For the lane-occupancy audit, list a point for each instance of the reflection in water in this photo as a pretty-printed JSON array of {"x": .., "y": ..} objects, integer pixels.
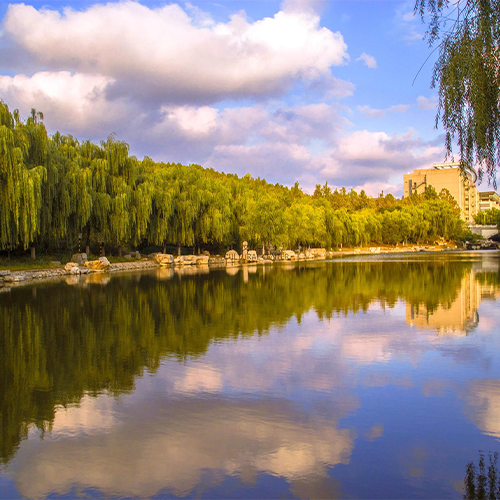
[
  {"x": 483, "y": 481},
  {"x": 483, "y": 397},
  {"x": 456, "y": 318},
  {"x": 180, "y": 442},
  {"x": 241, "y": 375}
]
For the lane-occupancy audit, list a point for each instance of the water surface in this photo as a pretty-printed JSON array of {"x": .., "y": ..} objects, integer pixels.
[{"x": 367, "y": 378}]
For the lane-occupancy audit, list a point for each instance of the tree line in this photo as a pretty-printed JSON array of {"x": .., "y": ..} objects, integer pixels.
[{"x": 56, "y": 189}]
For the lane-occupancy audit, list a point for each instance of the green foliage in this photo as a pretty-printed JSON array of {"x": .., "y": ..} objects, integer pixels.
[
  {"x": 467, "y": 75},
  {"x": 488, "y": 217},
  {"x": 54, "y": 188}
]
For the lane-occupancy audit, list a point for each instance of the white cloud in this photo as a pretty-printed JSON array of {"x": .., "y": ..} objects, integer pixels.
[
  {"x": 365, "y": 158},
  {"x": 369, "y": 61},
  {"x": 167, "y": 55},
  {"x": 426, "y": 103},
  {"x": 370, "y": 112},
  {"x": 70, "y": 102}
]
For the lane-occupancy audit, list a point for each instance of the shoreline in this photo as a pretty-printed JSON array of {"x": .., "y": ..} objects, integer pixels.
[{"x": 22, "y": 277}]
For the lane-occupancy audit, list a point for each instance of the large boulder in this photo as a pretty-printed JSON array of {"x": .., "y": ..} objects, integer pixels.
[
  {"x": 79, "y": 258},
  {"x": 202, "y": 260},
  {"x": 252, "y": 256},
  {"x": 102, "y": 264},
  {"x": 232, "y": 255},
  {"x": 72, "y": 268},
  {"x": 317, "y": 253},
  {"x": 164, "y": 259},
  {"x": 190, "y": 260}
]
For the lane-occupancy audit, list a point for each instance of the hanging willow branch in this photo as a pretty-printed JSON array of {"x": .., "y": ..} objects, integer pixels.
[{"x": 467, "y": 76}]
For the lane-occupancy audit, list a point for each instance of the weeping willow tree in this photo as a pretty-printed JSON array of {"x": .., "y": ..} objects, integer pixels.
[
  {"x": 21, "y": 179},
  {"x": 467, "y": 76}
]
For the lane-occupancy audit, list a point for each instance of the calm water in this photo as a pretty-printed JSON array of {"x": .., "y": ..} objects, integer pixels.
[{"x": 357, "y": 379}]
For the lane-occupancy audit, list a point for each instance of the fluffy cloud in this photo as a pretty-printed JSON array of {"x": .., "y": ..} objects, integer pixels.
[
  {"x": 370, "y": 112},
  {"x": 368, "y": 60},
  {"x": 375, "y": 157},
  {"x": 167, "y": 55},
  {"x": 72, "y": 103}
]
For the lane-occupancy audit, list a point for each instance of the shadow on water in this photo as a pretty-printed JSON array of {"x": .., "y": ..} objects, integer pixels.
[{"x": 76, "y": 338}]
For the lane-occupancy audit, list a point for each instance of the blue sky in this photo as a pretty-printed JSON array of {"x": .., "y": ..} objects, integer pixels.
[{"x": 299, "y": 90}]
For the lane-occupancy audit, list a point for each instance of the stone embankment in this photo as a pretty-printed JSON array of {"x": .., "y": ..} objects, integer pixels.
[{"x": 79, "y": 264}]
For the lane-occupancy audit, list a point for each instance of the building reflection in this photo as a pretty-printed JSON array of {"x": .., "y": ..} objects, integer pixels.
[{"x": 460, "y": 316}]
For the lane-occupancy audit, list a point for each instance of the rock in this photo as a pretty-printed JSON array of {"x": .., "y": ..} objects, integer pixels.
[
  {"x": 317, "y": 253},
  {"x": 55, "y": 263},
  {"x": 186, "y": 260},
  {"x": 4, "y": 273},
  {"x": 72, "y": 268},
  {"x": 202, "y": 260},
  {"x": 79, "y": 258},
  {"x": 232, "y": 255},
  {"x": 164, "y": 259},
  {"x": 252, "y": 255},
  {"x": 217, "y": 261},
  {"x": 128, "y": 257},
  {"x": 98, "y": 265},
  {"x": 289, "y": 255}
]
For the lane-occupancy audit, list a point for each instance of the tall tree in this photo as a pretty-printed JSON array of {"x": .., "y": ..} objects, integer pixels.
[{"x": 467, "y": 75}]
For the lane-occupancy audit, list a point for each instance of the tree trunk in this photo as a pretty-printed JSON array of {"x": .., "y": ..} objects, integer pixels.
[
  {"x": 120, "y": 253},
  {"x": 33, "y": 252},
  {"x": 263, "y": 249},
  {"x": 87, "y": 245},
  {"x": 165, "y": 246},
  {"x": 178, "y": 249}
]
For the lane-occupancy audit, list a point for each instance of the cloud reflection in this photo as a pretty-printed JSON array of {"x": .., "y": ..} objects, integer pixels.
[{"x": 183, "y": 444}]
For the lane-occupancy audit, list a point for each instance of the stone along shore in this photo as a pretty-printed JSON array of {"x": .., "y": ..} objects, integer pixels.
[{"x": 80, "y": 265}]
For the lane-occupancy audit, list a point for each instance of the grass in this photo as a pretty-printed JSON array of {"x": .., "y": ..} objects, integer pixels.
[{"x": 26, "y": 263}]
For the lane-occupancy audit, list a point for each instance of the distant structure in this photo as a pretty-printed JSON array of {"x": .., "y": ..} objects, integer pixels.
[
  {"x": 489, "y": 200},
  {"x": 447, "y": 176}
]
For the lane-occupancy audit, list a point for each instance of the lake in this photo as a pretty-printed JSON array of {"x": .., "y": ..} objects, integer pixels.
[{"x": 359, "y": 378}]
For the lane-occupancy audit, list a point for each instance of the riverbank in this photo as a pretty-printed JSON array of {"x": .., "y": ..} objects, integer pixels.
[{"x": 10, "y": 278}]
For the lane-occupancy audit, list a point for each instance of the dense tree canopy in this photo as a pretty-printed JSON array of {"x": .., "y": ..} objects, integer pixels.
[
  {"x": 467, "y": 75},
  {"x": 54, "y": 188}
]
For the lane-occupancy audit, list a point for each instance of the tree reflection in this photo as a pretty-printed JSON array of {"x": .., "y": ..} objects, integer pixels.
[
  {"x": 481, "y": 482},
  {"x": 66, "y": 341}
]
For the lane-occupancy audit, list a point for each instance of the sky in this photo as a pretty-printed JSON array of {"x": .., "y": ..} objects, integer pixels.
[{"x": 307, "y": 91}]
